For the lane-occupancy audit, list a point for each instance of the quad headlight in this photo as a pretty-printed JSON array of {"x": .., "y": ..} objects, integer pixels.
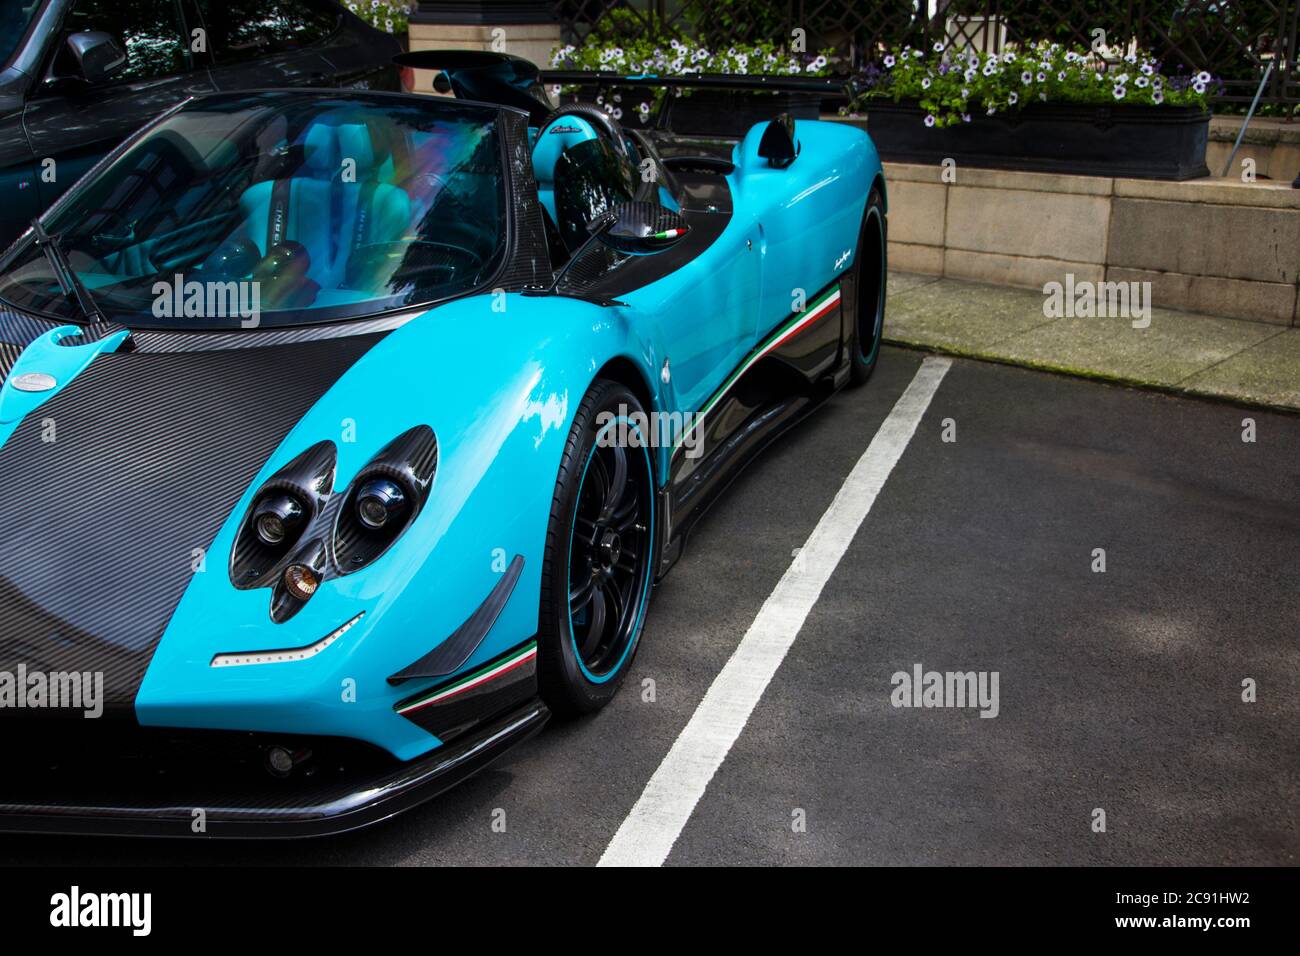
[
  {"x": 277, "y": 519},
  {"x": 385, "y": 498},
  {"x": 380, "y": 502},
  {"x": 298, "y": 533}
]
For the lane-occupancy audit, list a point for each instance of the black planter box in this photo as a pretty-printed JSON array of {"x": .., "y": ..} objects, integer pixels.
[
  {"x": 713, "y": 113},
  {"x": 1142, "y": 142}
]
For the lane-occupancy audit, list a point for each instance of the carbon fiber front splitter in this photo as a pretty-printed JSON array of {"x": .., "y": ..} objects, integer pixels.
[{"x": 142, "y": 800}]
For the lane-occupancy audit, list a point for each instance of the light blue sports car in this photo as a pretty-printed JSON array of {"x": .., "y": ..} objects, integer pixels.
[{"x": 346, "y": 434}]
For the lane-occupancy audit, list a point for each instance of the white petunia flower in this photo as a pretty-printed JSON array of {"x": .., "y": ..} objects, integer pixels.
[
  {"x": 1013, "y": 98},
  {"x": 1119, "y": 92},
  {"x": 929, "y": 119}
]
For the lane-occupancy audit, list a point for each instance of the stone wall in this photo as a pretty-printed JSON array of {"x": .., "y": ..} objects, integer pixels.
[{"x": 1215, "y": 246}]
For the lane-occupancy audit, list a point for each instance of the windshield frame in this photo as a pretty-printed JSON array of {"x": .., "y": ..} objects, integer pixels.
[
  {"x": 22, "y": 40},
  {"x": 26, "y": 243}
]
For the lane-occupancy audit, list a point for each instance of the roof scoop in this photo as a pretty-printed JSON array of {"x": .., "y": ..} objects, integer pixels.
[{"x": 487, "y": 77}]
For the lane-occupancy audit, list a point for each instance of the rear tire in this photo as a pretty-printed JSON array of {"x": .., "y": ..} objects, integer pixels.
[
  {"x": 597, "y": 571},
  {"x": 871, "y": 270}
]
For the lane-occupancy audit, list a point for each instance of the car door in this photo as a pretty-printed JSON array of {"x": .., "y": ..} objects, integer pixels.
[
  {"x": 261, "y": 44},
  {"x": 75, "y": 123}
]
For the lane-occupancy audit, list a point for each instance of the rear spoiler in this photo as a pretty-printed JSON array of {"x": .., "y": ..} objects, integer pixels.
[
  {"x": 514, "y": 81},
  {"x": 825, "y": 85}
]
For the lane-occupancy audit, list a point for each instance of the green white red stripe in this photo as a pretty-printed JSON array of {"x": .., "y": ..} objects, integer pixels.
[
  {"x": 792, "y": 328},
  {"x": 477, "y": 678}
]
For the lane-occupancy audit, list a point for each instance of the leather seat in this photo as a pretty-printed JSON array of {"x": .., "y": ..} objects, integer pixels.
[
  {"x": 328, "y": 207},
  {"x": 370, "y": 208},
  {"x": 296, "y": 208},
  {"x": 559, "y": 136}
]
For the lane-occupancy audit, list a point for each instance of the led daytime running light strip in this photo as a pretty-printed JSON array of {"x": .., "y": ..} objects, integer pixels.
[{"x": 244, "y": 658}]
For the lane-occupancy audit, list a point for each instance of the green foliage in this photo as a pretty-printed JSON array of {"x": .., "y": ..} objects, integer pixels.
[
  {"x": 391, "y": 16},
  {"x": 950, "y": 84},
  {"x": 676, "y": 58}
]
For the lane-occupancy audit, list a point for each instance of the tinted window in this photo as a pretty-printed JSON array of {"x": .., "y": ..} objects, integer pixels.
[
  {"x": 308, "y": 208},
  {"x": 244, "y": 29},
  {"x": 150, "y": 31},
  {"x": 14, "y": 17}
]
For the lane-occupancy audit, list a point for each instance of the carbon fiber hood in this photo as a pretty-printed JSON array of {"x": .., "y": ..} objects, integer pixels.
[{"x": 151, "y": 452}]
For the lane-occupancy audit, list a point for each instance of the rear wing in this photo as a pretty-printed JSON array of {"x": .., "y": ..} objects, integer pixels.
[
  {"x": 513, "y": 81},
  {"x": 825, "y": 85}
]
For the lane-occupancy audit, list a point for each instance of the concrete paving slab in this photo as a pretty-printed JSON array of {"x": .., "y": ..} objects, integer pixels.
[
  {"x": 1267, "y": 373},
  {"x": 1248, "y": 362},
  {"x": 966, "y": 317}
]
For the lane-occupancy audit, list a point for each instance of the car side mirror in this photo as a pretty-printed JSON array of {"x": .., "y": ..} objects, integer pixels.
[
  {"x": 640, "y": 228},
  {"x": 778, "y": 145},
  {"x": 98, "y": 55}
]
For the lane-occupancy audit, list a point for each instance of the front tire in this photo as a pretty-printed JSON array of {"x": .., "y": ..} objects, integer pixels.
[
  {"x": 598, "y": 570},
  {"x": 871, "y": 270}
]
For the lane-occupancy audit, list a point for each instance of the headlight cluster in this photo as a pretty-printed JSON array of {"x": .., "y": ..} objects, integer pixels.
[
  {"x": 384, "y": 498},
  {"x": 298, "y": 533}
]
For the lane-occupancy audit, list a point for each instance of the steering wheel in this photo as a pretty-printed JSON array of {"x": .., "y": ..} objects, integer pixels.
[
  {"x": 450, "y": 262},
  {"x": 599, "y": 119}
]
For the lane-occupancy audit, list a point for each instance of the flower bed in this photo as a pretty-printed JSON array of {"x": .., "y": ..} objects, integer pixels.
[
  {"x": 694, "y": 112},
  {"x": 1044, "y": 108},
  {"x": 391, "y": 16}
]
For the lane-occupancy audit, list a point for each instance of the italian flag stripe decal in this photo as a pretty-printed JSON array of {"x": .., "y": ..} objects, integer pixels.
[
  {"x": 487, "y": 672},
  {"x": 792, "y": 328}
]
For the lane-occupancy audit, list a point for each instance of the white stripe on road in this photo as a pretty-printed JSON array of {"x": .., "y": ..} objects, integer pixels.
[{"x": 650, "y": 830}]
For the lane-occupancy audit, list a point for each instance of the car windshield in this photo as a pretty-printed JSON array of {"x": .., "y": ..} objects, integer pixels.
[
  {"x": 15, "y": 15},
  {"x": 280, "y": 209}
]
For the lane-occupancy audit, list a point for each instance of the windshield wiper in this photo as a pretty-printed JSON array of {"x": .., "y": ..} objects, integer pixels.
[{"x": 69, "y": 282}]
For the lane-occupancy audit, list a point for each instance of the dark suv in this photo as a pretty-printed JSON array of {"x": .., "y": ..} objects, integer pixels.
[{"x": 79, "y": 76}]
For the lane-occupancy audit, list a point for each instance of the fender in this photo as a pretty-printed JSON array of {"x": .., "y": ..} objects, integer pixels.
[{"x": 499, "y": 454}]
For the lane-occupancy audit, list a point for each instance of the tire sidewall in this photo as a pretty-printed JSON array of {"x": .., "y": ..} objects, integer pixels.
[
  {"x": 861, "y": 366},
  {"x": 581, "y": 691}
]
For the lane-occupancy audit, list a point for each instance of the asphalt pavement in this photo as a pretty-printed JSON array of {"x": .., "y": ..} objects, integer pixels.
[{"x": 1119, "y": 691}]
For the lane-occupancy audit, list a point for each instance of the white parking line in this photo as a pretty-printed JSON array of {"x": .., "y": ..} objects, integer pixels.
[{"x": 647, "y": 835}]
